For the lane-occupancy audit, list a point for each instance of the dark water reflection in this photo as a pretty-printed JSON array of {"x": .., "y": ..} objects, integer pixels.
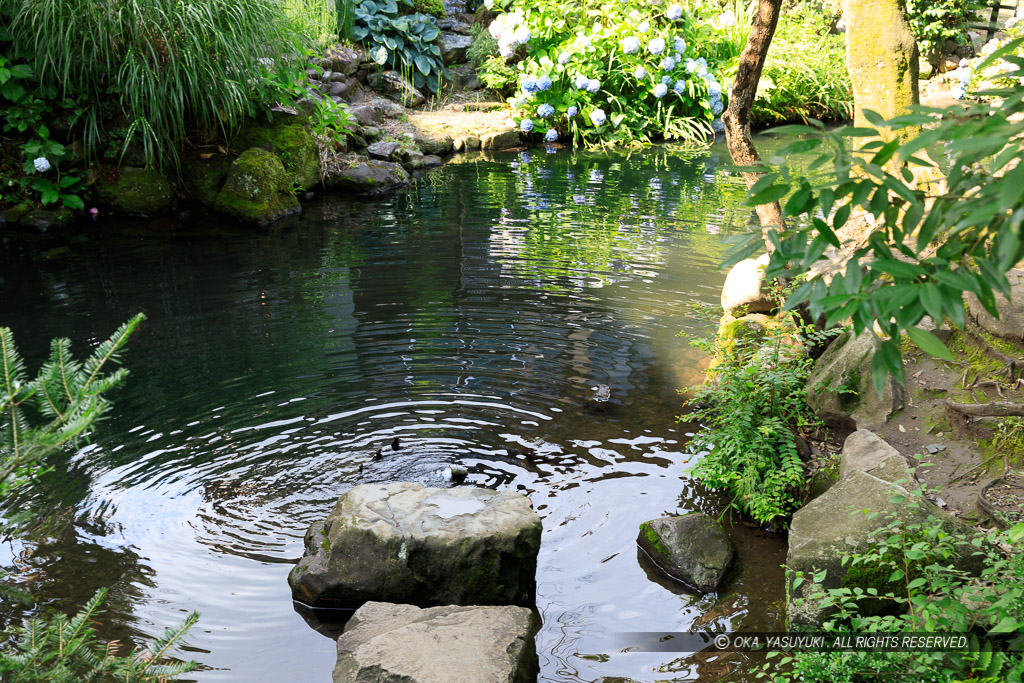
[{"x": 472, "y": 316}]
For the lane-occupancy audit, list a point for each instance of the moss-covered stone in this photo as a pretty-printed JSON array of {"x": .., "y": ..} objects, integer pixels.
[
  {"x": 290, "y": 138},
  {"x": 202, "y": 179},
  {"x": 257, "y": 189},
  {"x": 134, "y": 191}
]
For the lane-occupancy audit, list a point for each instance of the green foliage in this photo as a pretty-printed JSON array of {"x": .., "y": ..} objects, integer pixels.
[
  {"x": 169, "y": 68},
  {"x": 929, "y": 242},
  {"x": 752, "y": 408},
  {"x": 805, "y": 75},
  {"x": 926, "y": 595},
  {"x": 495, "y": 72},
  {"x": 66, "y": 650},
  {"x": 434, "y": 8},
  {"x": 408, "y": 42},
  {"x": 59, "y": 406},
  {"x": 332, "y": 122},
  {"x": 933, "y": 22},
  {"x": 619, "y": 73}
]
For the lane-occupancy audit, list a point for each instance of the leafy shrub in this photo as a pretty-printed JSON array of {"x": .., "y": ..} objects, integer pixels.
[
  {"x": 933, "y": 22},
  {"x": 170, "y": 68},
  {"x": 619, "y": 72},
  {"x": 805, "y": 75},
  {"x": 67, "y": 649},
  {"x": 927, "y": 596},
  {"x": 752, "y": 409},
  {"x": 934, "y": 235},
  {"x": 407, "y": 42},
  {"x": 494, "y": 71}
]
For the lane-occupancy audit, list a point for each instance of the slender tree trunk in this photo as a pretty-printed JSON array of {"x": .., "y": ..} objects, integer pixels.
[{"x": 737, "y": 117}]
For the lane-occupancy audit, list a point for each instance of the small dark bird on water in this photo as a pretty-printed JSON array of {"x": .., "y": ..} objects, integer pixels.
[
  {"x": 394, "y": 444},
  {"x": 378, "y": 455}
]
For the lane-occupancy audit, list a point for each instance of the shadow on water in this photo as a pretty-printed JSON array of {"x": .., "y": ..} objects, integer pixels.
[{"x": 475, "y": 315}]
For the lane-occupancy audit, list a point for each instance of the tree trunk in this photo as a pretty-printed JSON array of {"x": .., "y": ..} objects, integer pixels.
[{"x": 737, "y": 117}]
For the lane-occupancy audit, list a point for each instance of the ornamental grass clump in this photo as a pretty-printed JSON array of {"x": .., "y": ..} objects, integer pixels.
[
  {"x": 624, "y": 72},
  {"x": 171, "y": 69}
]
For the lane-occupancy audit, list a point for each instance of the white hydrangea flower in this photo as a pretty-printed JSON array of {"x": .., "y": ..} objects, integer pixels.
[{"x": 42, "y": 164}]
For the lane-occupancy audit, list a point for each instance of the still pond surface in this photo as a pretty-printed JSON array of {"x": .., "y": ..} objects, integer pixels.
[{"x": 472, "y": 315}]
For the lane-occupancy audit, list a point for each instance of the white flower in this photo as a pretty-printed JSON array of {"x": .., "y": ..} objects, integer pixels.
[
  {"x": 674, "y": 12},
  {"x": 1011, "y": 22},
  {"x": 564, "y": 58},
  {"x": 656, "y": 46},
  {"x": 644, "y": 27},
  {"x": 727, "y": 19},
  {"x": 488, "y": 4},
  {"x": 42, "y": 164},
  {"x": 660, "y": 90},
  {"x": 964, "y": 63},
  {"x": 583, "y": 42},
  {"x": 522, "y": 35},
  {"x": 630, "y": 45},
  {"x": 958, "y": 91},
  {"x": 597, "y": 117},
  {"x": 593, "y": 85},
  {"x": 266, "y": 61},
  {"x": 640, "y": 73},
  {"x": 506, "y": 49},
  {"x": 714, "y": 88},
  {"x": 634, "y": 15}
]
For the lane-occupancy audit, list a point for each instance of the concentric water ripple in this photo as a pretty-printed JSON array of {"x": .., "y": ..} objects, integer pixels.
[{"x": 474, "y": 317}]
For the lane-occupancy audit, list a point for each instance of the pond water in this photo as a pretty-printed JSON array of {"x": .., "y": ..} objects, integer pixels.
[{"x": 474, "y": 315}]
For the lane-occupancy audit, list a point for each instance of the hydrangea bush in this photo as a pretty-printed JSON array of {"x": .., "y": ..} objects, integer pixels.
[{"x": 619, "y": 72}]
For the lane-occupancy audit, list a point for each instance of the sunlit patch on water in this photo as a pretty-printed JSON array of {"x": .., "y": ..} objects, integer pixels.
[{"x": 515, "y": 317}]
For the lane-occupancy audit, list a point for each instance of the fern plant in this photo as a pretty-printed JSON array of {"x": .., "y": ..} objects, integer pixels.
[
  {"x": 59, "y": 406},
  {"x": 65, "y": 649}
]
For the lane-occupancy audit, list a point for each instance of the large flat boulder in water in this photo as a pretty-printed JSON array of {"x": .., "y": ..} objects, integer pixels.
[
  {"x": 387, "y": 643},
  {"x": 406, "y": 543},
  {"x": 867, "y": 452},
  {"x": 372, "y": 177},
  {"x": 691, "y": 548}
]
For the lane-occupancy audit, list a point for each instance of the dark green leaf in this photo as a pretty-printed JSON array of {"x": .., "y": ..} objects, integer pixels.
[{"x": 929, "y": 343}]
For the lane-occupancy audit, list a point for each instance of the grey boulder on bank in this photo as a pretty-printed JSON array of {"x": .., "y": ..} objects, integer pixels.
[
  {"x": 691, "y": 548},
  {"x": 406, "y": 543},
  {"x": 388, "y": 643}
]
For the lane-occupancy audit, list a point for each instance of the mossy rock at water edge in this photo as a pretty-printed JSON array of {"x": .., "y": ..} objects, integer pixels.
[
  {"x": 257, "y": 189},
  {"x": 202, "y": 179},
  {"x": 135, "y": 191},
  {"x": 288, "y": 137},
  {"x": 691, "y": 548},
  {"x": 370, "y": 177}
]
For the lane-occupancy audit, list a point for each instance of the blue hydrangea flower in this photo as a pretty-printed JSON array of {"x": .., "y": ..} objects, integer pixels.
[
  {"x": 593, "y": 85},
  {"x": 572, "y": 111},
  {"x": 665, "y": 80},
  {"x": 640, "y": 73},
  {"x": 656, "y": 46},
  {"x": 958, "y": 91},
  {"x": 630, "y": 45},
  {"x": 530, "y": 84},
  {"x": 543, "y": 83},
  {"x": 660, "y": 90},
  {"x": 703, "y": 62},
  {"x": 545, "y": 111},
  {"x": 679, "y": 87},
  {"x": 718, "y": 126},
  {"x": 526, "y": 125},
  {"x": 717, "y": 107},
  {"x": 679, "y": 44},
  {"x": 522, "y": 35},
  {"x": 597, "y": 117},
  {"x": 582, "y": 82},
  {"x": 691, "y": 65},
  {"x": 551, "y": 135},
  {"x": 668, "y": 63},
  {"x": 714, "y": 88},
  {"x": 702, "y": 70},
  {"x": 488, "y": 4},
  {"x": 644, "y": 27},
  {"x": 674, "y": 12},
  {"x": 564, "y": 58}
]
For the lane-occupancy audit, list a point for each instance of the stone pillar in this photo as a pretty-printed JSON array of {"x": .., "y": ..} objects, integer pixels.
[{"x": 881, "y": 54}]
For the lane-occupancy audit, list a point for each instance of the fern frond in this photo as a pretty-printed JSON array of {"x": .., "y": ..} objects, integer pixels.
[{"x": 109, "y": 350}]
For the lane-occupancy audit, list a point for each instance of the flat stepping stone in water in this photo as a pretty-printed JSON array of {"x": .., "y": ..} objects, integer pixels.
[
  {"x": 691, "y": 548},
  {"x": 406, "y": 543},
  {"x": 389, "y": 643}
]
